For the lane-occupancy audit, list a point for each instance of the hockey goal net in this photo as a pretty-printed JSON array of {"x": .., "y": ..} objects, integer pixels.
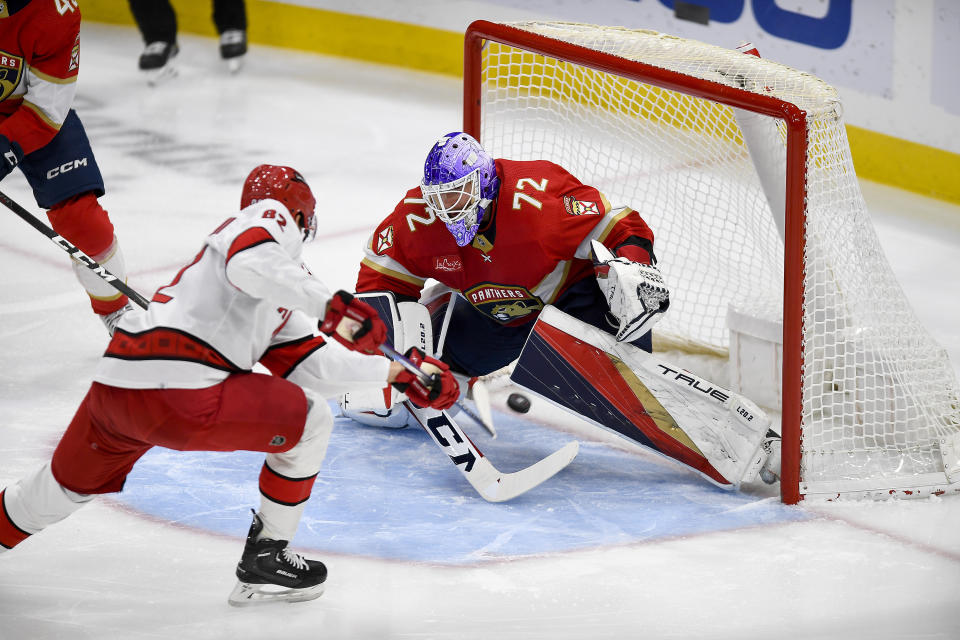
[{"x": 742, "y": 169}]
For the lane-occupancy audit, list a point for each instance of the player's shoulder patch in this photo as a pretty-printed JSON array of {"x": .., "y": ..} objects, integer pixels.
[
  {"x": 11, "y": 72},
  {"x": 576, "y": 207},
  {"x": 384, "y": 240}
]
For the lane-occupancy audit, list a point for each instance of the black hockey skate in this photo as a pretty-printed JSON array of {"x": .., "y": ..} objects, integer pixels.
[
  {"x": 233, "y": 46},
  {"x": 269, "y": 572},
  {"x": 157, "y": 54},
  {"x": 155, "y": 61}
]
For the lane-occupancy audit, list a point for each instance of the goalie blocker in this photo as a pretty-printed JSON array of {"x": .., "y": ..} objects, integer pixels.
[
  {"x": 408, "y": 325},
  {"x": 721, "y": 435}
]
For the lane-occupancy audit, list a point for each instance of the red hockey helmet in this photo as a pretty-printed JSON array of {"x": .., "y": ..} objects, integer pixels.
[{"x": 286, "y": 185}]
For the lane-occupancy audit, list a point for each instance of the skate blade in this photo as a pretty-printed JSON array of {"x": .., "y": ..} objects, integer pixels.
[
  {"x": 245, "y": 594},
  {"x": 159, "y": 76},
  {"x": 234, "y": 65}
]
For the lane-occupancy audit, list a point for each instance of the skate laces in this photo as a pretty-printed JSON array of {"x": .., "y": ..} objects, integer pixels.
[
  {"x": 232, "y": 36},
  {"x": 295, "y": 559},
  {"x": 156, "y": 48}
]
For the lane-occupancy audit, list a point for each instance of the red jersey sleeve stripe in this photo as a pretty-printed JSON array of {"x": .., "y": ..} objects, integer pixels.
[
  {"x": 282, "y": 359},
  {"x": 249, "y": 239}
]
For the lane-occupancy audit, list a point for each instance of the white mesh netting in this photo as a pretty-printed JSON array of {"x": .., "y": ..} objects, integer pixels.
[{"x": 878, "y": 393}]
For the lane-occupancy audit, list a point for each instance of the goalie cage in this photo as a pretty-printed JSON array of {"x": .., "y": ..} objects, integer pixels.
[{"x": 741, "y": 167}]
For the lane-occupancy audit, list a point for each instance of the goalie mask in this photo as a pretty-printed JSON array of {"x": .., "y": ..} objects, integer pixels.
[
  {"x": 286, "y": 185},
  {"x": 459, "y": 184}
]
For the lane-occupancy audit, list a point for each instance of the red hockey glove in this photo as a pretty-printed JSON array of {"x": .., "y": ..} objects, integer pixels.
[
  {"x": 353, "y": 323},
  {"x": 443, "y": 389}
]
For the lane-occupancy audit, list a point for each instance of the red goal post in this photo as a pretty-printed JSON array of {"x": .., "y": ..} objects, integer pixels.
[{"x": 554, "y": 79}]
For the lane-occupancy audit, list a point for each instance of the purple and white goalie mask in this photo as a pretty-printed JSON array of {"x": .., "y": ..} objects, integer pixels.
[{"x": 459, "y": 183}]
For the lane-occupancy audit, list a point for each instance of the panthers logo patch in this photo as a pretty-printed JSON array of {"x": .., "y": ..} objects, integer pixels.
[
  {"x": 11, "y": 72},
  {"x": 503, "y": 303}
]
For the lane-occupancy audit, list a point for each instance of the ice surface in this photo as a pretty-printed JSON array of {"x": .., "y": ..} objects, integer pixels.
[{"x": 619, "y": 545}]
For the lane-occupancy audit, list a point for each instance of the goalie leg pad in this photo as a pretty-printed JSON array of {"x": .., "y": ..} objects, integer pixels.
[{"x": 643, "y": 399}]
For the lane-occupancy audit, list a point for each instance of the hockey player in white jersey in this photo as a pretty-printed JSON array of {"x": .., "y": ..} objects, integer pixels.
[{"x": 179, "y": 375}]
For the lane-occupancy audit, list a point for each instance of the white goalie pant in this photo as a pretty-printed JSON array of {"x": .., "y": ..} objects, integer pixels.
[
  {"x": 304, "y": 460},
  {"x": 38, "y": 500}
]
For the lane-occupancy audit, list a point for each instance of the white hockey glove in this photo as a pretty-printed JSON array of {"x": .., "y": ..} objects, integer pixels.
[{"x": 635, "y": 292}]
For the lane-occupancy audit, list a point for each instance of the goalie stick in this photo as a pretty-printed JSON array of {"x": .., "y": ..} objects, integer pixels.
[
  {"x": 492, "y": 484},
  {"x": 73, "y": 251}
]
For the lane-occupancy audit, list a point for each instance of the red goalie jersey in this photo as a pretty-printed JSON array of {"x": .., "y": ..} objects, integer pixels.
[{"x": 532, "y": 245}]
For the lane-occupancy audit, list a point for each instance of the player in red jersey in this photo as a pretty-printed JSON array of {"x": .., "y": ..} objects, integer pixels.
[
  {"x": 179, "y": 375},
  {"x": 511, "y": 237},
  {"x": 41, "y": 134}
]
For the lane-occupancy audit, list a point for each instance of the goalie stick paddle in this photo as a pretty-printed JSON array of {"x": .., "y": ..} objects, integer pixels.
[
  {"x": 74, "y": 252},
  {"x": 492, "y": 484}
]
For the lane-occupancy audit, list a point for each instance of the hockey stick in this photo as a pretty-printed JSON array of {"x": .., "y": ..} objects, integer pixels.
[
  {"x": 493, "y": 485},
  {"x": 395, "y": 355},
  {"x": 74, "y": 252},
  {"x": 401, "y": 359}
]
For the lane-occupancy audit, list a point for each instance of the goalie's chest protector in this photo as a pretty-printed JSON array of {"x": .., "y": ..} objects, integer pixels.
[{"x": 526, "y": 257}]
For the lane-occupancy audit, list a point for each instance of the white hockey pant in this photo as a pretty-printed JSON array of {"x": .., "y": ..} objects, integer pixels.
[
  {"x": 280, "y": 521},
  {"x": 38, "y": 501}
]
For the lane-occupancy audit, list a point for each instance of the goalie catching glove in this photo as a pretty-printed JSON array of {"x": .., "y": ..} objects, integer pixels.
[
  {"x": 442, "y": 391},
  {"x": 353, "y": 323},
  {"x": 635, "y": 292}
]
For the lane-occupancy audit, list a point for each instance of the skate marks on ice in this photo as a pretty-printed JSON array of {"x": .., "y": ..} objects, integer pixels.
[{"x": 389, "y": 494}]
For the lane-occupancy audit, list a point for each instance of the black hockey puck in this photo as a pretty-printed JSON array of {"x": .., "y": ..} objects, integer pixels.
[{"x": 518, "y": 402}]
